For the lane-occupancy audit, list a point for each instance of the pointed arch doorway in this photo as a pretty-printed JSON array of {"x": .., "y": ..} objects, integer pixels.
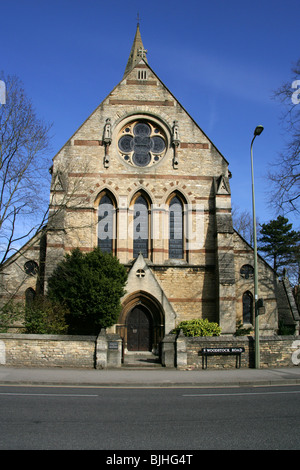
[
  {"x": 141, "y": 323},
  {"x": 139, "y": 329}
]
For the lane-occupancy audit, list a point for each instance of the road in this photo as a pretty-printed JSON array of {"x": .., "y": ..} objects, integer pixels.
[{"x": 184, "y": 419}]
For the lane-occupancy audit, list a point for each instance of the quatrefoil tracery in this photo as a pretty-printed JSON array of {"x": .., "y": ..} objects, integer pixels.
[{"x": 142, "y": 143}]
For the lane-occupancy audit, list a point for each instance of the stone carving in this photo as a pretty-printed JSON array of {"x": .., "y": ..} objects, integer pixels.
[
  {"x": 175, "y": 143},
  {"x": 107, "y": 137}
]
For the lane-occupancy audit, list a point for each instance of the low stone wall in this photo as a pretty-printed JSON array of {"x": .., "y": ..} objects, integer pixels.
[
  {"x": 275, "y": 351},
  {"x": 23, "y": 350},
  {"x": 47, "y": 350},
  {"x": 105, "y": 350}
]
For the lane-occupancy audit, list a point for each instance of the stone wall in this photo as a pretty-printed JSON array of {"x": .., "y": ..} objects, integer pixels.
[
  {"x": 267, "y": 286},
  {"x": 20, "y": 350},
  {"x": 275, "y": 351}
]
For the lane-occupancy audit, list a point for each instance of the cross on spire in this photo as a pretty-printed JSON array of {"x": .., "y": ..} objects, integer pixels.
[
  {"x": 142, "y": 52},
  {"x": 138, "y": 18}
]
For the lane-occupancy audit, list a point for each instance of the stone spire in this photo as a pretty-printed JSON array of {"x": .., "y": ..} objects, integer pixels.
[{"x": 137, "y": 51}]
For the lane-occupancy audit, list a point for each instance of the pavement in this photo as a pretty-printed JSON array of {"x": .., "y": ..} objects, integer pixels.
[{"x": 149, "y": 377}]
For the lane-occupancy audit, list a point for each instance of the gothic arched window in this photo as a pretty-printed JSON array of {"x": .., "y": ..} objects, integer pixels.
[
  {"x": 247, "y": 307},
  {"x": 176, "y": 228},
  {"x": 106, "y": 224},
  {"x": 30, "y": 295},
  {"x": 140, "y": 227}
]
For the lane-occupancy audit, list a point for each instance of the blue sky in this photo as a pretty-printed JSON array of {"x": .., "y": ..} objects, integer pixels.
[{"x": 221, "y": 59}]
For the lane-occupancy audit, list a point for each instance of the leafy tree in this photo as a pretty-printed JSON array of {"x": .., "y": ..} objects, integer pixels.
[
  {"x": 279, "y": 242},
  {"x": 90, "y": 285}
]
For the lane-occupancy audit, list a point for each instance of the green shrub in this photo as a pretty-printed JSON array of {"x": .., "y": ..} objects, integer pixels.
[
  {"x": 285, "y": 329},
  {"x": 43, "y": 316},
  {"x": 198, "y": 327},
  {"x": 241, "y": 330},
  {"x": 10, "y": 314}
]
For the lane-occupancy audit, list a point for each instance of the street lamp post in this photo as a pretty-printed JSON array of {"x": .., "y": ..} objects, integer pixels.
[{"x": 258, "y": 131}]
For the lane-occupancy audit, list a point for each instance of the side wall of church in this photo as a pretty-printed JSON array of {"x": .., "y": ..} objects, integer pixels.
[
  {"x": 21, "y": 276},
  {"x": 267, "y": 286}
]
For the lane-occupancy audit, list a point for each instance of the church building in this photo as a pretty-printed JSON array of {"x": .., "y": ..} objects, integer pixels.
[{"x": 140, "y": 179}]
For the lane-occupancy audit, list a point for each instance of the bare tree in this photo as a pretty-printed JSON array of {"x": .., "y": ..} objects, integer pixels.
[
  {"x": 285, "y": 179},
  {"x": 243, "y": 224},
  {"x": 24, "y": 141}
]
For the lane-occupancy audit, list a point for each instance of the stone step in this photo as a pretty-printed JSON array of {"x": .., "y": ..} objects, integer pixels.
[{"x": 141, "y": 360}]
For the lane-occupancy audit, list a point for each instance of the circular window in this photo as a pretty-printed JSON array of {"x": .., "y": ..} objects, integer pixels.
[
  {"x": 31, "y": 267},
  {"x": 142, "y": 143},
  {"x": 247, "y": 271}
]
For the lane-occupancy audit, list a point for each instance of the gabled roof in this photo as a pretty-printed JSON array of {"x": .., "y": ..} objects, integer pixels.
[{"x": 138, "y": 56}]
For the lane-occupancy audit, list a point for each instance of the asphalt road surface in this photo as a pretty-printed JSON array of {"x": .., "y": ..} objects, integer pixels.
[{"x": 185, "y": 419}]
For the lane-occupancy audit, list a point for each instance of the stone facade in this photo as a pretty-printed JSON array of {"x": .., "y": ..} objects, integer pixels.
[{"x": 164, "y": 156}]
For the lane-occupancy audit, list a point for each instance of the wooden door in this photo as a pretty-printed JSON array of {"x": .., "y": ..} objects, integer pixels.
[{"x": 139, "y": 330}]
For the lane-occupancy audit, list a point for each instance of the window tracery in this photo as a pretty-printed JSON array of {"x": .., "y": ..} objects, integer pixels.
[
  {"x": 142, "y": 143},
  {"x": 247, "y": 271}
]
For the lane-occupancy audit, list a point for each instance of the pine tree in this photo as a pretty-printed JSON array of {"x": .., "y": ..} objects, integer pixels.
[{"x": 279, "y": 242}]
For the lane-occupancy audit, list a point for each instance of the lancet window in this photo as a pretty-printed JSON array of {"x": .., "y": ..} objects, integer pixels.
[
  {"x": 176, "y": 228},
  {"x": 106, "y": 224}
]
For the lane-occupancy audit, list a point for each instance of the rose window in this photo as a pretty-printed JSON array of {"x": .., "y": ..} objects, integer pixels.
[{"x": 142, "y": 143}]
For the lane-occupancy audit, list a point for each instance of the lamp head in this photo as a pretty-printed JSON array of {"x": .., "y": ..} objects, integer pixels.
[{"x": 258, "y": 130}]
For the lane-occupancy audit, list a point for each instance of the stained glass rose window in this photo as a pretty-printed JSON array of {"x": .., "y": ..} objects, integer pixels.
[{"x": 142, "y": 143}]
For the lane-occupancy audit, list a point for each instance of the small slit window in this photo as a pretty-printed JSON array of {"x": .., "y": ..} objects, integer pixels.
[
  {"x": 142, "y": 74},
  {"x": 247, "y": 307}
]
